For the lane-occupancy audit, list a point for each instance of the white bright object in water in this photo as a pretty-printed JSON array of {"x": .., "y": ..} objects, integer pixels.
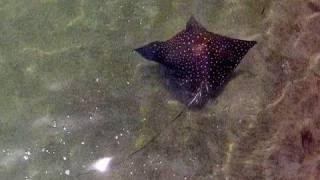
[
  {"x": 67, "y": 172},
  {"x": 101, "y": 165}
]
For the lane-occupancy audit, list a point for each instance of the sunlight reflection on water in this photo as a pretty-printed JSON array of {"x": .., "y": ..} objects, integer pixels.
[{"x": 101, "y": 165}]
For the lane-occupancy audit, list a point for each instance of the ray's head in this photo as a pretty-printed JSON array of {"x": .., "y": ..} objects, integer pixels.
[{"x": 153, "y": 51}]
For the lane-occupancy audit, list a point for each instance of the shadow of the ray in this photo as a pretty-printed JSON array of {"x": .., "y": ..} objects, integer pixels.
[
  {"x": 184, "y": 96},
  {"x": 181, "y": 94}
]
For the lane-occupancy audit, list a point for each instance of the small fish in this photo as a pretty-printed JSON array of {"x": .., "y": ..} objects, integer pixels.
[{"x": 199, "y": 62}]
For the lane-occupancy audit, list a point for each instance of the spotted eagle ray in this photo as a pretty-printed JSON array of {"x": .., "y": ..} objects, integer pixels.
[{"x": 198, "y": 61}]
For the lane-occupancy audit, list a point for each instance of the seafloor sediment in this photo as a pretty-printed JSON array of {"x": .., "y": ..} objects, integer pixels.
[{"x": 73, "y": 91}]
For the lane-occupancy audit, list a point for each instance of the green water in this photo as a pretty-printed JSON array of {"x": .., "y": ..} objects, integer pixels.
[{"x": 73, "y": 91}]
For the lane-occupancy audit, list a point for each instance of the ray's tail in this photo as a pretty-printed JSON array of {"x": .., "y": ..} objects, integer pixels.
[{"x": 157, "y": 135}]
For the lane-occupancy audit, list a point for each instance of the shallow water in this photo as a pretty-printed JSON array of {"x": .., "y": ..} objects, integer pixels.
[{"x": 75, "y": 100}]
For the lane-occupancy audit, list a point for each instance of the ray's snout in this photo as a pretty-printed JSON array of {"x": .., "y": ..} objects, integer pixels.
[
  {"x": 147, "y": 53},
  {"x": 151, "y": 51},
  {"x": 144, "y": 52}
]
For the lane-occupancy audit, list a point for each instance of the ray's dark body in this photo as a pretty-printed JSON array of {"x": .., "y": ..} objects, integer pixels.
[{"x": 196, "y": 62}]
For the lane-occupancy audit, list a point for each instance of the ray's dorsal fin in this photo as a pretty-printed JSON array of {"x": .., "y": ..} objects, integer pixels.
[{"x": 194, "y": 25}]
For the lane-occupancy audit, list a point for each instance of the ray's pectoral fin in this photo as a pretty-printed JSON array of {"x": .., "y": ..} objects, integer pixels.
[
  {"x": 153, "y": 51},
  {"x": 193, "y": 25},
  {"x": 239, "y": 48}
]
